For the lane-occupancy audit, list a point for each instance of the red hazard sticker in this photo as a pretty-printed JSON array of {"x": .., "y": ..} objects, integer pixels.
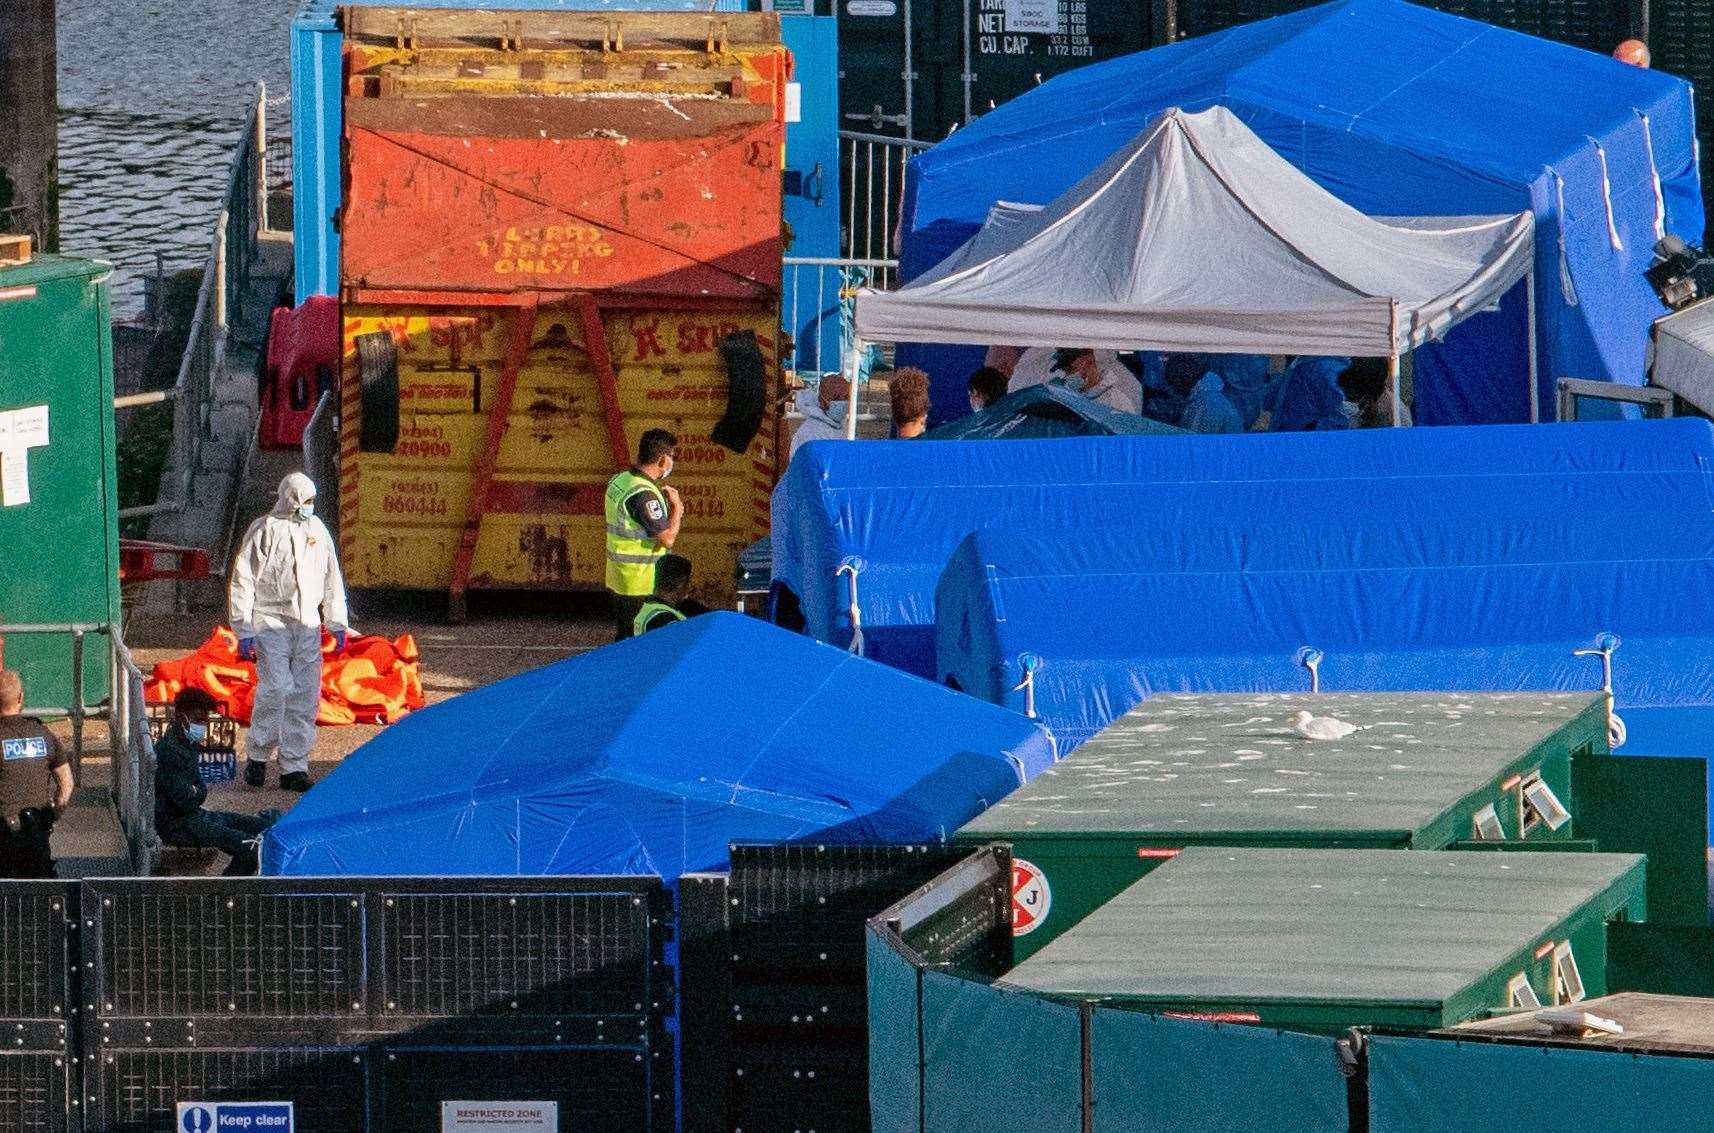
[{"x": 1031, "y": 897}]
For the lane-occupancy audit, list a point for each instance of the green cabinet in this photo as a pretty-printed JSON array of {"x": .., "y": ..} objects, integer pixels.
[
  {"x": 1321, "y": 940},
  {"x": 1425, "y": 771},
  {"x": 59, "y": 527}
]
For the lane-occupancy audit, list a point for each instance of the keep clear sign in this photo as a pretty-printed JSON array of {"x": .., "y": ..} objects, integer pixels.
[
  {"x": 513, "y": 1117},
  {"x": 255, "y": 1117}
]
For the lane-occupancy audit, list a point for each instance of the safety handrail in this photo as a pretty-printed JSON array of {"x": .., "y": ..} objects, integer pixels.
[{"x": 234, "y": 247}]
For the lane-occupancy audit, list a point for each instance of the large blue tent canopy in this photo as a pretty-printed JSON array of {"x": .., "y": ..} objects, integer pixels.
[
  {"x": 1397, "y": 110},
  {"x": 1407, "y": 602},
  {"x": 897, "y": 510},
  {"x": 650, "y": 756}
]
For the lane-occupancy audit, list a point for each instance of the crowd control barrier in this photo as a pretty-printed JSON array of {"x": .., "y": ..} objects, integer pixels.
[
  {"x": 774, "y": 1010},
  {"x": 365, "y": 1003}
]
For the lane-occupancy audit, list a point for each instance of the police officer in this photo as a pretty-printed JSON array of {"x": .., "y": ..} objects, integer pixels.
[
  {"x": 667, "y": 604},
  {"x": 643, "y": 516},
  {"x": 35, "y": 783}
]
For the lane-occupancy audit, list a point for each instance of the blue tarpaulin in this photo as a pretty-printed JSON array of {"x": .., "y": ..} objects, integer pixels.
[
  {"x": 650, "y": 756},
  {"x": 1397, "y": 110},
  {"x": 1399, "y": 605},
  {"x": 898, "y": 510},
  {"x": 1047, "y": 410}
]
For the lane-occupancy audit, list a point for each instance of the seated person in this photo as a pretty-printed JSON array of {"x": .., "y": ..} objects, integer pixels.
[
  {"x": 180, "y": 818},
  {"x": 1100, "y": 376},
  {"x": 1366, "y": 387},
  {"x": 908, "y": 388},
  {"x": 987, "y": 385},
  {"x": 1206, "y": 406},
  {"x": 672, "y": 594},
  {"x": 35, "y": 785}
]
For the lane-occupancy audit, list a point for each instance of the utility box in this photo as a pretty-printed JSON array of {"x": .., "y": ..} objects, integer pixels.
[
  {"x": 1322, "y": 940},
  {"x": 1424, "y": 771},
  {"x": 559, "y": 230},
  {"x": 59, "y": 508}
]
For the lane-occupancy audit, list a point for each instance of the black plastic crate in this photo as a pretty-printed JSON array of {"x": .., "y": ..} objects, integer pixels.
[
  {"x": 461, "y": 954},
  {"x": 595, "y": 1089},
  {"x": 189, "y": 947},
  {"x": 137, "y": 1091},
  {"x": 35, "y": 1092},
  {"x": 797, "y": 911}
]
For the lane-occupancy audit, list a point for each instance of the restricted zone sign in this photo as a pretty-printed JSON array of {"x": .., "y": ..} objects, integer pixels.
[
  {"x": 251, "y": 1117},
  {"x": 1031, "y": 897},
  {"x": 487, "y": 1117}
]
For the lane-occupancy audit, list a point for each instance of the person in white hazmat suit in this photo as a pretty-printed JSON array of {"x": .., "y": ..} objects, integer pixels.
[{"x": 285, "y": 587}]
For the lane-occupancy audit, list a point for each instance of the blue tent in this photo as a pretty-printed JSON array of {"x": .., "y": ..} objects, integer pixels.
[
  {"x": 896, "y": 510},
  {"x": 1398, "y": 111},
  {"x": 1407, "y": 602},
  {"x": 1047, "y": 410},
  {"x": 649, "y": 756}
]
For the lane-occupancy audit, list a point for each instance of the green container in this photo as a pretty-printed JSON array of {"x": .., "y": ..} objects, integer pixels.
[
  {"x": 1322, "y": 940},
  {"x": 61, "y": 547},
  {"x": 1229, "y": 770}
]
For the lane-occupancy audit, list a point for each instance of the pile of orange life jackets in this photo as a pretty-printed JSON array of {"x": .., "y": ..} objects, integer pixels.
[{"x": 371, "y": 681}]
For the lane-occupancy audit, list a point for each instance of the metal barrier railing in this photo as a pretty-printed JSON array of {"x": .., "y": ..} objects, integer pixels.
[
  {"x": 815, "y": 305},
  {"x": 233, "y": 251},
  {"x": 872, "y": 171},
  {"x": 131, "y": 754}
]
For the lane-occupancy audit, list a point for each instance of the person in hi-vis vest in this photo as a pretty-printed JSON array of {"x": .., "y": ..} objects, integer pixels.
[
  {"x": 643, "y": 516},
  {"x": 670, "y": 602}
]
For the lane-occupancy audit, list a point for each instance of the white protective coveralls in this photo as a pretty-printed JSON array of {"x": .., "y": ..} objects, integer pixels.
[{"x": 285, "y": 586}]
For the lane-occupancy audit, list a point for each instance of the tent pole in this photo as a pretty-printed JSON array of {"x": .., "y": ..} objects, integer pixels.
[
  {"x": 851, "y": 369},
  {"x": 1393, "y": 362},
  {"x": 1535, "y": 381}
]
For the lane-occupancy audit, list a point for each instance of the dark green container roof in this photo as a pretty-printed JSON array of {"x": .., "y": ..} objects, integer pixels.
[
  {"x": 1194, "y": 766},
  {"x": 1253, "y": 927},
  {"x": 46, "y": 269}
]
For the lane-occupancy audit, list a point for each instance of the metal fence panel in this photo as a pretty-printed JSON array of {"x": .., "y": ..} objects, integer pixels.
[
  {"x": 138, "y": 1090},
  {"x": 363, "y": 1001},
  {"x": 35, "y": 1091},
  {"x": 798, "y": 911},
  {"x": 609, "y": 1090},
  {"x": 184, "y": 948},
  {"x": 460, "y": 954}
]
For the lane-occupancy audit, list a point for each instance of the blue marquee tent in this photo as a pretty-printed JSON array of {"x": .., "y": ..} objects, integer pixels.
[
  {"x": 1408, "y": 602},
  {"x": 650, "y": 756},
  {"x": 896, "y": 510},
  {"x": 1397, "y": 110}
]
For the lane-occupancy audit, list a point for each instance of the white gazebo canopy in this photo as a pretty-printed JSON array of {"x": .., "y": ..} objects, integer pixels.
[{"x": 1199, "y": 237}]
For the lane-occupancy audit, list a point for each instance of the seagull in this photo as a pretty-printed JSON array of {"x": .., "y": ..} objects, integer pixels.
[{"x": 1312, "y": 727}]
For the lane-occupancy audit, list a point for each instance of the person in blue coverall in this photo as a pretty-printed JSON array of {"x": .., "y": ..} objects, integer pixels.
[
  {"x": 1207, "y": 409},
  {"x": 1307, "y": 397}
]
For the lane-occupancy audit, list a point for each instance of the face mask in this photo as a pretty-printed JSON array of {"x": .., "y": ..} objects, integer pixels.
[
  {"x": 836, "y": 412},
  {"x": 196, "y": 733},
  {"x": 667, "y": 471},
  {"x": 306, "y": 510}
]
